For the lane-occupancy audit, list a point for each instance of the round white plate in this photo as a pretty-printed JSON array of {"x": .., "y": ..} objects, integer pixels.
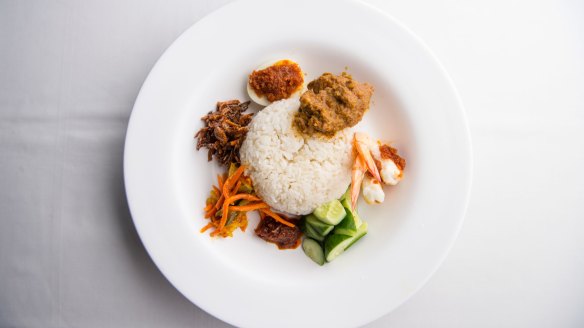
[{"x": 244, "y": 280}]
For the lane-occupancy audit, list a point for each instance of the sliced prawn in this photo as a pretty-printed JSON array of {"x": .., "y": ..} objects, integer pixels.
[
  {"x": 372, "y": 190},
  {"x": 357, "y": 174},
  {"x": 362, "y": 144}
]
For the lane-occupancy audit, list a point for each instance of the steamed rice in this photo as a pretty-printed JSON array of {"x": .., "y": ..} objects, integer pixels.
[{"x": 290, "y": 172}]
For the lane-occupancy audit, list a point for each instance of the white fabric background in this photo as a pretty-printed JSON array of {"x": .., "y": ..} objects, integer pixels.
[{"x": 69, "y": 74}]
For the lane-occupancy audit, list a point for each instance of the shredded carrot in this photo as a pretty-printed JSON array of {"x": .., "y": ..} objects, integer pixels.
[
  {"x": 220, "y": 180},
  {"x": 231, "y": 199},
  {"x": 219, "y": 202},
  {"x": 226, "y": 194},
  {"x": 225, "y": 186},
  {"x": 232, "y": 180},
  {"x": 236, "y": 188},
  {"x": 249, "y": 207},
  {"x": 223, "y": 217},
  {"x": 217, "y": 190},
  {"x": 276, "y": 217},
  {"x": 210, "y": 213},
  {"x": 205, "y": 228}
]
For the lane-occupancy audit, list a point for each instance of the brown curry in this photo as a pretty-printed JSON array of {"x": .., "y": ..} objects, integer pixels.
[{"x": 332, "y": 103}]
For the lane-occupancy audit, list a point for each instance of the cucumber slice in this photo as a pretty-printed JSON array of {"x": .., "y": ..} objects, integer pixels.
[
  {"x": 346, "y": 202},
  {"x": 350, "y": 223},
  {"x": 346, "y": 195},
  {"x": 335, "y": 245},
  {"x": 313, "y": 250},
  {"x": 318, "y": 226},
  {"x": 310, "y": 232},
  {"x": 331, "y": 213},
  {"x": 362, "y": 231}
]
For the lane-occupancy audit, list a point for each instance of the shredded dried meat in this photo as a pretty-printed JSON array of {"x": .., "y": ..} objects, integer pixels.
[{"x": 224, "y": 131}]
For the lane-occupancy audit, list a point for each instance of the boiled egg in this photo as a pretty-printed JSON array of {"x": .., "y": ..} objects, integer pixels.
[{"x": 275, "y": 80}]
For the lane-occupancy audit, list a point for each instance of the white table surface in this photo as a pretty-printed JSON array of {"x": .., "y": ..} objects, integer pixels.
[{"x": 69, "y": 74}]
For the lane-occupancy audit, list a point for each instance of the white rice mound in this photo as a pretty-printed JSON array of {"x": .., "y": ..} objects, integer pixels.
[{"x": 290, "y": 172}]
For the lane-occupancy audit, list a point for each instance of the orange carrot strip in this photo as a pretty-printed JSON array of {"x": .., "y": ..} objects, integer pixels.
[
  {"x": 220, "y": 180},
  {"x": 236, "y": 188},
  {"x": 205, "y": 228},
  {"x": 231, "y": 199},
  {"x": 249, "y": 207},
  {"x": 225, "y": 190},
  {"x": 219, "y": 202},
  {"x": 223, "y": 217},
  {"x": 276, "y": 217},
  {"x": 217, "y": 190},
  {"x": 232, "y": 180},
  {"x": 210, "y": 213}
]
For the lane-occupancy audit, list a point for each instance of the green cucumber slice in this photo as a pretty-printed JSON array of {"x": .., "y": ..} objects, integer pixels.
[
  {"x": 350, "y": 223},
  {"x": 346, "y": 202},
  {"x": 335, "y": 245},
  {"x": 362, "y": 231},
  {"x": 346, "y": 195},
  {"x": 318, "y": 226},
  {"x": 313, "y": 250},
  {"x": 310, "y": 232},
  {"x": 331, "y": 213}
]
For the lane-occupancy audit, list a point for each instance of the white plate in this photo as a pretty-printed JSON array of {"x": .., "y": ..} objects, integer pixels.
[{"x": 244, "y": 280}]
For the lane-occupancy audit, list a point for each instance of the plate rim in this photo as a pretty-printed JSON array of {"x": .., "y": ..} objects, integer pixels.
[{"x": 427, "y": 51}]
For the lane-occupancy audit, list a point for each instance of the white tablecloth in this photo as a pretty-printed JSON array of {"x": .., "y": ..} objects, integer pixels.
[{"x": 69, "y": 74}]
